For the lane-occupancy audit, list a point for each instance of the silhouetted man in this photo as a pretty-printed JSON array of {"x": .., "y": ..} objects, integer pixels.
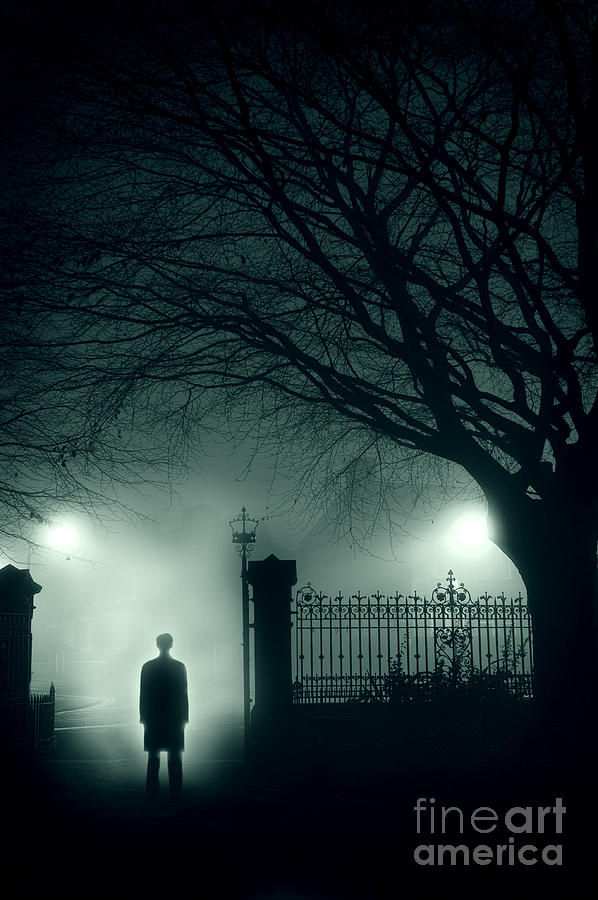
[{"x": 164, "y": 712}]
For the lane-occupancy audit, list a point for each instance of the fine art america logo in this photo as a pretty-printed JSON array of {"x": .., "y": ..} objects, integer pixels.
[{"x": 524, "y": 834}]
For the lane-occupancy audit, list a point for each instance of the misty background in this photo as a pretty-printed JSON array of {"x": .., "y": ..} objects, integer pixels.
[{"x": 109, "y": 588}]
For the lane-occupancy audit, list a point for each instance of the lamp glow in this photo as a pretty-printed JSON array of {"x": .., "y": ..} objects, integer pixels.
[
  {"x": 471, "y": 530},
  {"x": 63, "y": 537}
]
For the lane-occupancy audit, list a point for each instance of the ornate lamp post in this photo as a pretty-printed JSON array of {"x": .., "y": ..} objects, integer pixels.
[{"x": 243, "y": 541}]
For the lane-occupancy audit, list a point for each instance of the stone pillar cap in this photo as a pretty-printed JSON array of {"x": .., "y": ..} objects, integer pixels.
[{"x": 272, "y": 569}]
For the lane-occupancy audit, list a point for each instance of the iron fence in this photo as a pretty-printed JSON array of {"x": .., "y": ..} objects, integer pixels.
[
  {"x": 381, "y": 648},
  {"x": 42, "y": 709},
  {"x": 28, "y": 721}
]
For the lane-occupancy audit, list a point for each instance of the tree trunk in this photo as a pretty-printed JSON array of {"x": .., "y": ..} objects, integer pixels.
[
  {"x": 556, "y": 557},
  {"x": 561, "y": 601}
]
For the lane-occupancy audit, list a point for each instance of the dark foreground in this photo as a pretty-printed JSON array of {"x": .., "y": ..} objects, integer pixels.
[{"x": 337, "y": 821}]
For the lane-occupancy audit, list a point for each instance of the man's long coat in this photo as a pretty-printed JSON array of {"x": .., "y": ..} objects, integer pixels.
[{"x": 163, "y": 703}]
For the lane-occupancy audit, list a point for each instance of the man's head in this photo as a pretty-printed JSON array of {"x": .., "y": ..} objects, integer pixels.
[{"x": 164, "y": 642}]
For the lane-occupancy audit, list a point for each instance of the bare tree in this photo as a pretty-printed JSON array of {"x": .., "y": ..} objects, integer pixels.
[
  {"x": 351, "y": 221},
  {"x": 59, "y": 454}
]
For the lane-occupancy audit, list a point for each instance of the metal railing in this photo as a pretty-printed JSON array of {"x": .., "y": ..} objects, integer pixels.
[
  {"x": 27, "y": 722},
  {"x": 42, "y": 711},
  {"x": 380, "y": 648}
]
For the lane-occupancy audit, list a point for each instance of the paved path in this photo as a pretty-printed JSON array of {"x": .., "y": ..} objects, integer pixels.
[
  {"x": 239, "y": 834},
  {"x": 105, "y": 789},
  {"x": 242, "y": 832}
]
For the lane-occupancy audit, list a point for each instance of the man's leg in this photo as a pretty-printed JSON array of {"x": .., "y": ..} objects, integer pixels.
[
  {"x": 152, "y": 783},
  {"x": 175, "y": 771}
]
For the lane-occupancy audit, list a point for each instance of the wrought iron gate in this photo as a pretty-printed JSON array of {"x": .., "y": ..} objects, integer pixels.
[{"x": 395, "y": 648}]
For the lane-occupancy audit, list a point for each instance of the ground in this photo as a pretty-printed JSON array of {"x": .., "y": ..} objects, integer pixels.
[{"x": 283, "y": 826}]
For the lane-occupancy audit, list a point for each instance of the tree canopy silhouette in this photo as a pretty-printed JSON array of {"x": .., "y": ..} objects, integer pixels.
[{"x": 364, "y": 219}]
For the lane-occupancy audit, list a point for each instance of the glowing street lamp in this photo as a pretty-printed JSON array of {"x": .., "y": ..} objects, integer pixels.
[
  {"x": 472, "y": 530},
  {"x": 63, "y": 537},
  {"x": 469, "y": 532}
]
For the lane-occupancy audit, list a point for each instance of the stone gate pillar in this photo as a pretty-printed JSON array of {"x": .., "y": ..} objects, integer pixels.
[
  {"x": 17, "y": 590},
  {"x": 272, "y": 580}
]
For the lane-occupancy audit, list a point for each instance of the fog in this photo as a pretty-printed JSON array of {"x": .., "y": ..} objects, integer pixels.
[{"x": 104, "y": 600}]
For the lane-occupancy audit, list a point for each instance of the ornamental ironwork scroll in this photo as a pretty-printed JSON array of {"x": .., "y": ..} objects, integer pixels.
[
  {"x": 385, "y": 648},
  {"x": 453, "y": 652}
]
